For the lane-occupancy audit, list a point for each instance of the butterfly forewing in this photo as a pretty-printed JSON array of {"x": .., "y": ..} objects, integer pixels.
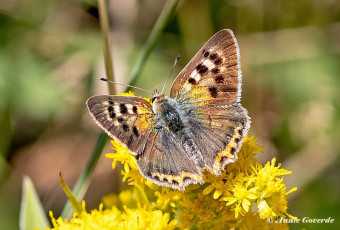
[
  {"x": 213, "y": 76},
  {"x": 126, "y": 119}
]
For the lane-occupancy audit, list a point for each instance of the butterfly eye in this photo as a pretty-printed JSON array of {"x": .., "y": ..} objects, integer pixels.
[{"x": 153, "y": 99}]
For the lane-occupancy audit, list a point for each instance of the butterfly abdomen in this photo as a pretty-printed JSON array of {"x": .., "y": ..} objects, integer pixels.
[{"x": 173, "y": 120}]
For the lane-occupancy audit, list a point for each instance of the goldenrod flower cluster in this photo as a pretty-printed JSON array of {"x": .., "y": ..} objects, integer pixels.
[
  {"x": 113, "y": 218},
  {"x": 245, "y": 196}
]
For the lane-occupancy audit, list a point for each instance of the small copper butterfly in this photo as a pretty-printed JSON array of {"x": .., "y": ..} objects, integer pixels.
[{"x": 200, "y": 126}]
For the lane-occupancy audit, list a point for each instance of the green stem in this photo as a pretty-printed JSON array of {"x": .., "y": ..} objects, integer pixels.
[
  {"x": 165, "y": 16},
  {"x": 105, "y": 28}
]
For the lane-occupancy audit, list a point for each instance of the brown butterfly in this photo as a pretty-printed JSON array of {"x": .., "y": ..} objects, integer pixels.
[{"x": 201, "y": 126}]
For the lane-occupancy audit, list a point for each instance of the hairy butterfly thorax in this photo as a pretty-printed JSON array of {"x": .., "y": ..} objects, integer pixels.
[
  {"x": 200, "y": 126},
  {"x": 167, "y": 112}
]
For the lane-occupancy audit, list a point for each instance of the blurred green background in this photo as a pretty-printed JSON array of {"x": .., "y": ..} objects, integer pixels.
[{"x": 51, "y": 59}]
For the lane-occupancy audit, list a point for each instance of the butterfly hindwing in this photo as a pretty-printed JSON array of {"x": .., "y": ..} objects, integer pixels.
[
  {"x": 213, "y": 76},
  {"x": 221, "y": 129},
  {"x": 125, "y": 118},
  {"x": 165, "y": 161}
]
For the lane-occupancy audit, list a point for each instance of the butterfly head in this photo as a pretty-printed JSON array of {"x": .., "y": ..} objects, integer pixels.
[{"x": 157, "y": 99}]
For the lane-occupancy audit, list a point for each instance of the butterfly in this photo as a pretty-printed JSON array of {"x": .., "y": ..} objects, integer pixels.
[{"x": 200, "y": 126}]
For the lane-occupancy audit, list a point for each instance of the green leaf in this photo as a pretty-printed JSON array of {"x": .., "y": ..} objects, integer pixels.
[
  {"x": 73, "y": 200},
  {"x": 32, "y": 214}
]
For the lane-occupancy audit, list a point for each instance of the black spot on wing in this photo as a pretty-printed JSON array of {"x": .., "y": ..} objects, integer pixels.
[
  {"x": 218, "y": 61},
  {"x": 219, "y": 79},
  {"x": 135, "y": 131},
  {"x": 175, "y": 182},
  {"x": 224, "y": 158},
  {"x": 213, "y": 91},
  {"x": 241, "y": 131},
  {"x": 213, "y": 56},
  {"x": 147, "y": 173},
  {"x": 125, "y": 127},
  {"x": 111, "y": 113},
  {"x": 203, "y": 69},
  {"x": 192, "y": 81},
  {"x": 215, "y": 70},
  {"x": 134, "y": 109},
  {"x": 233, "y": 150},
  {"x": 123, "y": 109},
  {"x": 186, "y": 178}
]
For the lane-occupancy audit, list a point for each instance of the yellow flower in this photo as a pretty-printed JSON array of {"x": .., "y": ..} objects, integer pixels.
[
  {"x": 219, "y": 184},
  {"x": 146, "y": 219},
  {"x": 264, "y": 210},
  {"x": 272, "y": 193},
  {"x": 96, "y": 219},
  {"x": 242, "y": 197},
  {"x": 123, "y": 156},
  {"x": 167, "y": 197},
  {"x": 275, "y": 205},
  {"x": 245, "y": 157},
  {"x": 268, "y": 173},
  {"x": 110, "y": 200},
  {"x": 197, "y": 212},
  {"x": 139, "y": 218},
  {"x": 222, "y": 184},
  {"x": 252, "y": 221}
]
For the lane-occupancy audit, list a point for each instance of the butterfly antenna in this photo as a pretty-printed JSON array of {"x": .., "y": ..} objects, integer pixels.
[
  {"x": 172, "y": 69},
  {"x": 116, "y": 83}
]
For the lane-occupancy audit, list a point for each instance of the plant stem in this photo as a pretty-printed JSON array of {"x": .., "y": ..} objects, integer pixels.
[
  {"x": 105, "y": 28},
  {"x": 165, "y": 16}
]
